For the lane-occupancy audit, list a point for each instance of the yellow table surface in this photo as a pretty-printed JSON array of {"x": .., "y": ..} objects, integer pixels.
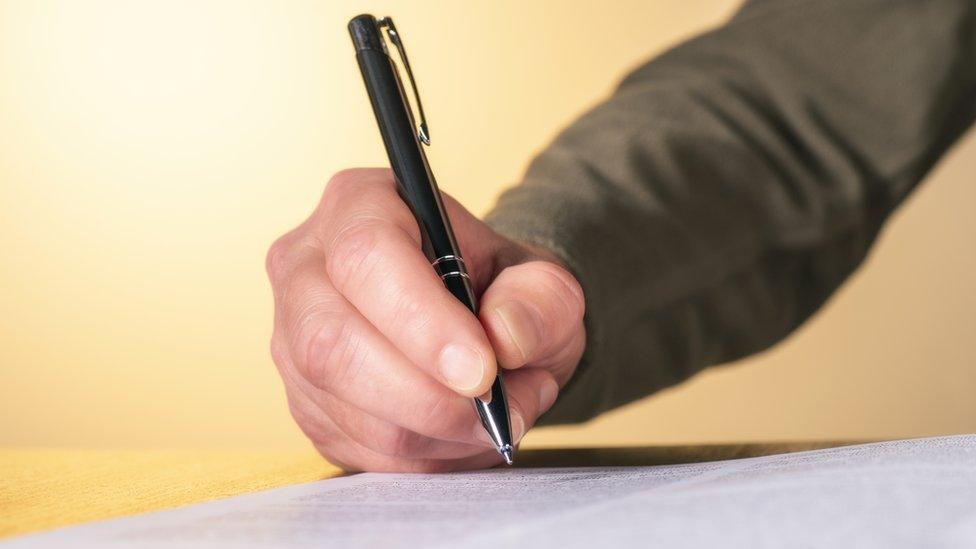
[
  {"x": 42, "y": 489},
  {"x": 45, "y": 489}
]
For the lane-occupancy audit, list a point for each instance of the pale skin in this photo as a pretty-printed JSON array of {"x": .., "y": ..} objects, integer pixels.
[{"x": 380, "y": 361}]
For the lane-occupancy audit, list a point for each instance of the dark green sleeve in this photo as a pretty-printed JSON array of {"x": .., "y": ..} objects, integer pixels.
[{"x": 729, "y": 186}]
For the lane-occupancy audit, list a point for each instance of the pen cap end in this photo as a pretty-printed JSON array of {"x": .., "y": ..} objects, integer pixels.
[{"x": 365, "y": 34}]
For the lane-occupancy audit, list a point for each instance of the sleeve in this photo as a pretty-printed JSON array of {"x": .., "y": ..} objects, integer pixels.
[{"x": 729, "y": 186}]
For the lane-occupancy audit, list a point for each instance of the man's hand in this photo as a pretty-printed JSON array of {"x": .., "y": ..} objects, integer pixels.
[{"x": 380, "y": 361}]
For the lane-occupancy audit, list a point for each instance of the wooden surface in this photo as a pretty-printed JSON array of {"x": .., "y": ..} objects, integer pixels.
[{"x": 45, "y": 489}]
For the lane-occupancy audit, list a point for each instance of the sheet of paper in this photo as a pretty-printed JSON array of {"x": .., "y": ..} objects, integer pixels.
[{"x": 913, "y": 493}]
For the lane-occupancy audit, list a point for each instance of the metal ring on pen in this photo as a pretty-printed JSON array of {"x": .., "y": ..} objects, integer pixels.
[
  {"x": 448, "y": 257},
  {"x": 455, "y": 273}
]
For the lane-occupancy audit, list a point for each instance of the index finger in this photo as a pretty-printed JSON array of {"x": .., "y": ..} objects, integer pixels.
[{"x": 375, "y": 261}]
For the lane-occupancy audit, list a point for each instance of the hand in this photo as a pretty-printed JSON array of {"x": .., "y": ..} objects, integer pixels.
[{"x": 380, "y": 361}]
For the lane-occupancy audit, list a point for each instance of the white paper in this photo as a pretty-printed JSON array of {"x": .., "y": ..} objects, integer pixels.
[{"x": 913, "y": 493}]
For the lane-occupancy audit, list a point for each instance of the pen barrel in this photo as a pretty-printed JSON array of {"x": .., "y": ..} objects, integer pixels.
[
  {"x": 415, "y": 181},
  {"x": 418, "y": 188}
]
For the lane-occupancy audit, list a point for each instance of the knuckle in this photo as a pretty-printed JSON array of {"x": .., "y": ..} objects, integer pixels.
[
  {"x": 332, "y": 454},
  {"x": 567, "y": 289},
  {"x": 409, "y": 313},
  {"x": 352, "y": 252},
  {"x": 440, "y": 417},
  {"x": 275, "y": 260},
  {"x": 342, "y": 182},
  {"x": 398, "y": 442},
  {"x": 341, "y": 191},
  {"x": 330, "y": 352},
  {"x": 314, "y": 429},
  {"x": 348, "y": 186},
  {"x": 361, "y": 197},
  {"x": 279, "y": 353}
]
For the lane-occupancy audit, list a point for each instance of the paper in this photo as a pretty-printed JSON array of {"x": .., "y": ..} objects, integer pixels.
[{"x": 914, "y": 493}]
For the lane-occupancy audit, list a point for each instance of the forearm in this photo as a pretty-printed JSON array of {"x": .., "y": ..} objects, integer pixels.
[{"x": 729, "y": 186}]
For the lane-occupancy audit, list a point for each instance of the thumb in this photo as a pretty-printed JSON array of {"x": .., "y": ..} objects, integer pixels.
[{"x": 533, "y": 315}]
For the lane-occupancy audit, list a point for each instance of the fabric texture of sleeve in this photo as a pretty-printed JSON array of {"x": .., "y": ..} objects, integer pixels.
[{"x": 730, "y": 185}]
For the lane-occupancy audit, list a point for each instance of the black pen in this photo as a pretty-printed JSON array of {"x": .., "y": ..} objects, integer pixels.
[{"x": 416, "y": 185}]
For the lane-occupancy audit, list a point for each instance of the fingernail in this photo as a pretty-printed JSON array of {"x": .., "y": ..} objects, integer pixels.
[
  {"x": 518, "y": 426},
  {"x": 462, "y": 367},
  {"x": 521, "y": 327},
  {"x": 547, "y": 394}
]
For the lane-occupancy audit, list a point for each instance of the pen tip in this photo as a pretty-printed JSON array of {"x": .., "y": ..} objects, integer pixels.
[{"x": 508, "y": 454}]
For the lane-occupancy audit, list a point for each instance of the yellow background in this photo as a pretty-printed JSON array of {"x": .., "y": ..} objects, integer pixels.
[{"x": 151, "y": 151}]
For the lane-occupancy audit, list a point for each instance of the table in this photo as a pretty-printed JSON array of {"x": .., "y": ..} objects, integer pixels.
[{"x": 42, "y": 489}]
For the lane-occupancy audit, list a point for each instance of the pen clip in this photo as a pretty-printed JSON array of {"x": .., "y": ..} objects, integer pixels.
[{"x": 423, "y": 133}]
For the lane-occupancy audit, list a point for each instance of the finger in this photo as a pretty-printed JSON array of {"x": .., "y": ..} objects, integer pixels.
[
  {"x": 563, "y": 362},
  {"x": 374, "y": 261},
  {"x": 338, "y": 351},
  {"x": 354, "y": 459},
  {"x": 376, "y": 434},
  {"x": 532, "y": 312},
  {"x": 388, "y": 438},
  {"x": 341, "y": 450},
  {"x": 530, "y": 392}
]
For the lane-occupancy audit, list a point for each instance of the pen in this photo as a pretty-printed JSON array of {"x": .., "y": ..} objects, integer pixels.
[{"x": 416, "y": 185}]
